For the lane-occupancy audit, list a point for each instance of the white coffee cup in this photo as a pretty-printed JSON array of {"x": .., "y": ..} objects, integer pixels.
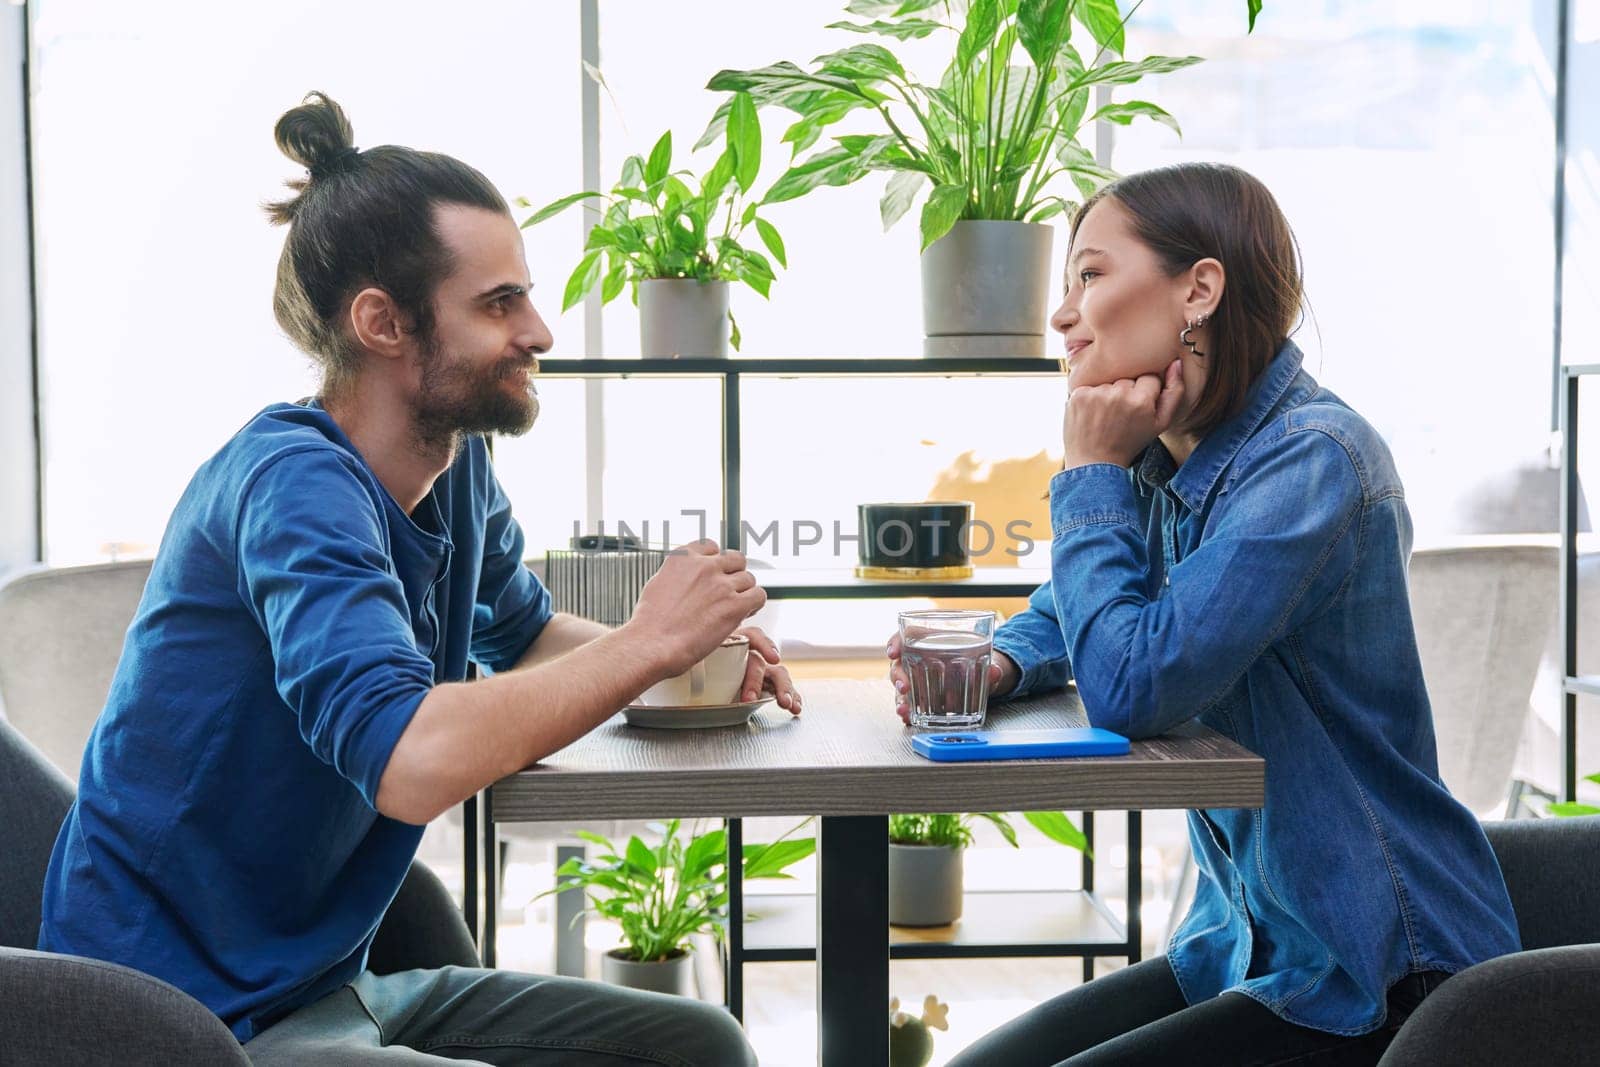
[{"x": 714, "y": 680}]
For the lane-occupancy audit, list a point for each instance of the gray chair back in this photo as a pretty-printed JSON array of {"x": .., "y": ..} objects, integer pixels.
[
  {"x": 1551, "y": 866},
  {"x": 61, "y": 634},
  {"x": 1483, "y": 616},
  {"x": 34, "y": 798}
]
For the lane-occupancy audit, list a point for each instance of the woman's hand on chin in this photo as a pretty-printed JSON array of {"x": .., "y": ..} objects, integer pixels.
[{"x": 1113, "y": 423}]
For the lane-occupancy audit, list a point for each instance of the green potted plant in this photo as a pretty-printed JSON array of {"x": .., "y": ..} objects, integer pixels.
[
  {"x": 925, "y": 860},
  {"x": 676, "y": 240},
  {"x": 994, "y": 141},
  {"x": 661, "y": 897}
]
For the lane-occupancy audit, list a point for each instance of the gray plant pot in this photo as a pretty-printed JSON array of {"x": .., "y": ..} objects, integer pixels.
[
  {"x": 924, "y": 885},
  {"x": 986, "y": 289},
  {"x": 675, "y": 975},
  {"x": 683, "y": 317}
]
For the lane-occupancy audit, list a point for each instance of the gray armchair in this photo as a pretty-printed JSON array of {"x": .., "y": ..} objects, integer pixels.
[
  {"x": 1541, "y": 1005},
  {"x": 70, "y": 1010}
]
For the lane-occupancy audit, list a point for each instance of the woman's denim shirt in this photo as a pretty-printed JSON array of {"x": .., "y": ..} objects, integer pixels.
[{"x": 1261, "y": 588}]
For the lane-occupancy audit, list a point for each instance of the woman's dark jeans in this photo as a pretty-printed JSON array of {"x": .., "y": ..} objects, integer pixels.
[{"x": 1138, "y": 1016}]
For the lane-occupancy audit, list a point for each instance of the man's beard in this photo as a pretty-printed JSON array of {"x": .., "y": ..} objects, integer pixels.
[{"x": 458, "y": 397}]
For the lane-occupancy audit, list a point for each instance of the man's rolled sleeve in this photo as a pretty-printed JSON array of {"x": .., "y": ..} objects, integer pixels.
[
  {"x": 513, "y": 606},
  {"x": 314, "y": 569}
]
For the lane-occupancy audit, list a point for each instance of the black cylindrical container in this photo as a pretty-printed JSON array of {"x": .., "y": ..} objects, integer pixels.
[{"x": 920, "y": 541}]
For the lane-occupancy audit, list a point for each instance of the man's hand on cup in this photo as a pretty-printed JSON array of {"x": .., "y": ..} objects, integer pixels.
[
  {"x": 765, "y": 674},
  {"x": 1003, "y": 676},
  {"x": 698, "y": 597}
]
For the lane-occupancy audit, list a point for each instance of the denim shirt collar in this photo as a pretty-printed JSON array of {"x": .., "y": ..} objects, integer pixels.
[{"x": 1195, "y": 481}]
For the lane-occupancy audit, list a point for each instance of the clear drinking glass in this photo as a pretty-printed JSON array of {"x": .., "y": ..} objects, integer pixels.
[{"x": 946, "y": 659}]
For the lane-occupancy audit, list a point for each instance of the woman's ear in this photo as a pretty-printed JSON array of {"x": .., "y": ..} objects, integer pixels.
[
  {"x": 1207, "y": 279},
  {"x": 378, "y": 324}
]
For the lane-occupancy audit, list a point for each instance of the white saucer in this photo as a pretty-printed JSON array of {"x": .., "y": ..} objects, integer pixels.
[{"x": 697, "y": 717}]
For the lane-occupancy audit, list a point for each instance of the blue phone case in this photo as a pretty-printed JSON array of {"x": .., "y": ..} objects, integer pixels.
[{"x": 1019, "y": 744}]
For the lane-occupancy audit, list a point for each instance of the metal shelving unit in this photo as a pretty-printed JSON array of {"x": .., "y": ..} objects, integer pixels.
[{"x": 1080, "y": 924}]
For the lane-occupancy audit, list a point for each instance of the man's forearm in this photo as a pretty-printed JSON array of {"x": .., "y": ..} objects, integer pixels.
[
  {"x": 466, "y": 735},
  {"x": 560, "y": 635}
]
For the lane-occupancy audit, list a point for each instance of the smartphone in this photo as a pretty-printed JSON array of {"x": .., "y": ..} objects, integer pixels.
[{"x": 1019, "y": 744}]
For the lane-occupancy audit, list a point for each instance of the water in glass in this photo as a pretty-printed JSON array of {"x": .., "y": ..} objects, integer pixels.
[{"x": 949, "y": 676}]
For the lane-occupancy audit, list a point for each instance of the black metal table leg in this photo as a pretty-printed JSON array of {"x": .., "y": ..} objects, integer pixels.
[
  {"x": 733, "y": 966},
  {"x": 469, "y": 867},
  {"x": 491, "y": 880},
  {"x": 853, "y": 940},
  {"x": 1087, "y": 860},
  {"x": 1135, "y": 886}
]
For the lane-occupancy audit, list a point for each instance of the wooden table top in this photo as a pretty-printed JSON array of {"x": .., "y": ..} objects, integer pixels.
[{"x": 848, "y": 754}]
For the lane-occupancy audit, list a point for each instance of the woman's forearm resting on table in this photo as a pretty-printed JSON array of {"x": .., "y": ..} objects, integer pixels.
[{"x": 467, "y": 735}]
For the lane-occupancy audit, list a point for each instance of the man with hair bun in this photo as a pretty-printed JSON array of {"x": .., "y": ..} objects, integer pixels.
[{"x": 291, "y": 708}]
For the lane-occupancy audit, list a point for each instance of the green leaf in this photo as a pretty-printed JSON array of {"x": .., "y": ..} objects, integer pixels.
[
  {"x": 615, "y": 279},
  {"x": 869, "y": 61},
  {"x": 714, "y": 128},
  {"x": 1042, "y": 27},
  {"x": 703, "y": 853},
  {"x": 833, "y": 166},
  {"x": 1049, "y": 209},
  {"x": 1070, "y": 109},
  {"x": 867, "y": 8},
  {"x": 1123, "y": 114},
  {"x": 717, "y": 178},
  {"x": 734, "y": 336},
  {"x": 1567, "y": 809},
  {"x": 769, "y": 861},
  {"x": 660, "y": 160},
  {"x": 1255, "y": 9},
  {"x": 770, "y": 82},
  {"x": 1595, "y": 778},
  {"x": 983, "y": 21},
  {"x": 903, "y": 30},
  {"x": 770, "y": 238},
  {"x": 1078, "y": 160},
  {"x": 641, "y": 856},
  {"x": 678, "y": 194},
  {"x": 582, "y": 280},
  {"x": 744, "y": 140},
  {"x": 1104, "y": 23},
  {"x": 897, "y": 196},
  {"x": 1057, "y": 827},
  {"x": 632, "y": 171},
  {"x": 556, "y": 207},
  {"x": 1122, "y": 72},
  {"x": 1002, "y": 824},
  {"x": 943, "y": 208}
]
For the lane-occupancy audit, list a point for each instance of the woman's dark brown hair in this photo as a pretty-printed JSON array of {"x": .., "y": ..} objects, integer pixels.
[
  {"x": 360, "y": 219},
  {"x": 1194, "y": 211}
]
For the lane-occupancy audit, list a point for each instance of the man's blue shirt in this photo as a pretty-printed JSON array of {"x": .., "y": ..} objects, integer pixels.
[
  {"x": 224, "y": 838},
  {"x": 1261, "y": 588}
]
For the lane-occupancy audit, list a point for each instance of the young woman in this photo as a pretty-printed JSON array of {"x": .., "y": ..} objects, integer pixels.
[{"x": 1230, "y": 545}]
